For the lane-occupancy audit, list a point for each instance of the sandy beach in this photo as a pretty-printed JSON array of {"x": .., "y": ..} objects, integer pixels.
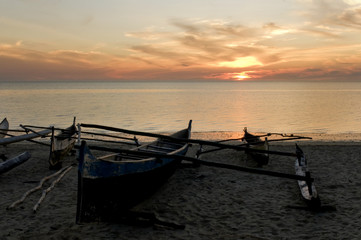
[{"x": 211, "y": 203}]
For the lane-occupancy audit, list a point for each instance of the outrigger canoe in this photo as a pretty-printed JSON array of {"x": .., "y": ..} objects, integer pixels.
[
  {"x": 109, "y": 186},
  {"x": 4, "y": 127},
  {"x": 255, "y": 142},
  {"x": 61, "y": 145},
  {"x": 308, "y": 189}
]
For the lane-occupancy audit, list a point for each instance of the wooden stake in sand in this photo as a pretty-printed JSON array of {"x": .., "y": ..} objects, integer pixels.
[
  {"x": 50, "y": 188},
  {"x": 36, "y": 188}
]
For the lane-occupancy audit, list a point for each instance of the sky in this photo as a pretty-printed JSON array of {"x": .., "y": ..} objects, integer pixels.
[{"x": 188, "y": 40}]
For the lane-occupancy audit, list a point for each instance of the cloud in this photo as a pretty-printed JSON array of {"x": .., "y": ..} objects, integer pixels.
[
  {"x": 318, "y": 31},
  {"x": 205, "y": 43},
  {"x": 87, "y": 20},
  {"x": 19, "y": 63},
  {"x": 351, "y": 17},
  {"x": 220, "y": 28},
  {"x": 333, "y": 14},
  {"x": 322, "y": 46}
]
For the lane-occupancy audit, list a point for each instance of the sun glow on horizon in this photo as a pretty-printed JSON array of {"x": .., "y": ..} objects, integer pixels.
[
  {"x": 235, "y": 76},
  {"x": 241, "y": 62},
  {"x": 241, "y": 77}
]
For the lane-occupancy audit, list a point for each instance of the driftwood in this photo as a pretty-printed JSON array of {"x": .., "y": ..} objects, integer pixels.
[
  {"x": 22, "y": 199},
  {"x": 46, "y": 191},
  {"x": 14, "y": 162}
]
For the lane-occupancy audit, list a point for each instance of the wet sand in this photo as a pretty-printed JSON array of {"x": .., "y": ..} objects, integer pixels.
[{"x": 211, "y": 203}]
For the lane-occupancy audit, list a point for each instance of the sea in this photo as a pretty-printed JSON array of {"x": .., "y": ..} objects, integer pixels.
[{"x": 285, "y": 107}]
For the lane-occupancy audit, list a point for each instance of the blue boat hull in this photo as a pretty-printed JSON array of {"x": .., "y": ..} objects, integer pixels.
[
  {"x": 106, "y": 199},
  {"x": 108, "y": 189}
]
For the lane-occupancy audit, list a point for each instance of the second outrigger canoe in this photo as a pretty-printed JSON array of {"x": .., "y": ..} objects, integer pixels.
[
  {"x": 109, "y": 186},
  {"x": 255, "y": 142},
  {"x": 61, "y": 145}
]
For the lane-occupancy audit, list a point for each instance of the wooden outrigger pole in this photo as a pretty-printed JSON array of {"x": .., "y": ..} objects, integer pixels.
[
  {"x": 196, "y": 141},
  {"x": 206, "y": 163},
  {"x": 29, "y": 140},
  {"x": 5, "y": 141},
  {"x": 88, "y": 133}
]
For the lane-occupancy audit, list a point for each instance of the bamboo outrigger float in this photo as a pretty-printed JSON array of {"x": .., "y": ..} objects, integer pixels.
[
  {"x": 14, "y": 162},
  {"x": 307, "y": 188},
  {"x": 24, "y": 137}
]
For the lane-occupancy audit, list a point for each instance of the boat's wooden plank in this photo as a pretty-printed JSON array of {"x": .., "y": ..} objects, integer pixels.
[
  {"x": 170, "y": 143},
  {"x": 160, "y": 148},
  {"x": 110, "y": 141},
  {"x": 149, "y": 150},
  {"x": 126, "y": 156}
]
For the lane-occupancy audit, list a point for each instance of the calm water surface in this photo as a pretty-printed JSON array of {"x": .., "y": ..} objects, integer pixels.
[{"x": 307, "y": 107}]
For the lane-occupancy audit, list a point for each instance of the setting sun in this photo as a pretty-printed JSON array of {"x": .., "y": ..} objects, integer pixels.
[
  {"x": 241, "y": 77},
  {"x": 241, "y": 62}
]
